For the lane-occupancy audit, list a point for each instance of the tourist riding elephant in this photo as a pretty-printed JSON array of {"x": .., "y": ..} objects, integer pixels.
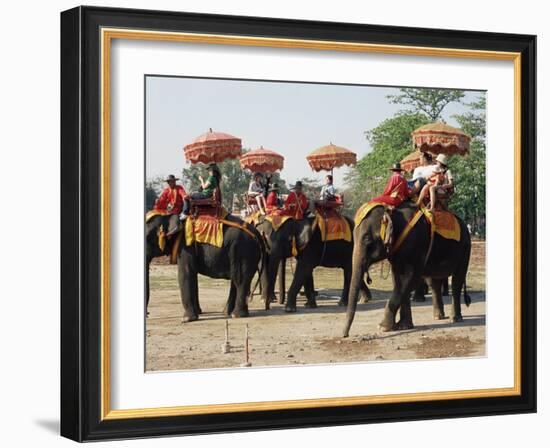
[
  {"x": 238, "y": 260},
  {"x": 312, "y": 252},
  {"x": 447, "y": 257}
]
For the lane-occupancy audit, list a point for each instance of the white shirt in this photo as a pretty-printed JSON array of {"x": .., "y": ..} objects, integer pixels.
[
  {"x": 424, "y": 171},
  {"x": 327, "y": 192}
]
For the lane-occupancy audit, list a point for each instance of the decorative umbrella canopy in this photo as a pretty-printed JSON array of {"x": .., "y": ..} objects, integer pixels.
[
  {"x": 440, "y": 138},
  {"x": 213, "y": 147},
  {"x": 329, "y": 157},
  {"x": 262, "y": 160}
]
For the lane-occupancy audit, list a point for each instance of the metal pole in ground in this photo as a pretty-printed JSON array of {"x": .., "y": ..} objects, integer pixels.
[
  {"x": 226, "y": 347},
  {"x": 246, "y": 362}
]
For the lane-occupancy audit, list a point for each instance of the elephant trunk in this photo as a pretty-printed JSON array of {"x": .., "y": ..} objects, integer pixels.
[{"x": 358, "y": 271}]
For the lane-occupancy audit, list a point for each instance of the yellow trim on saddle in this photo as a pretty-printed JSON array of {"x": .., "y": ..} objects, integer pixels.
[
  {"x": 161, "y": 238},
  {"x": 450, "y": 234},
  {"x": 176, "y": 247},
  {"x": 277, "y": 220},
  {"x": 152, "y": 213},
  {"x": 343, "y": 234},
  {"x": 294, "y": 247},
  {"x": 238, "y": 226},
  {"x": 364, "y": 210},
  {"x": 410, "y": 225}
]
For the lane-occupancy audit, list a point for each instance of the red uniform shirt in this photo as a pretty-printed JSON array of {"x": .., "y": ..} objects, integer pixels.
[
  {"x": 272, "y": 201},
  {"x": 396, "y": 190},
  {"x": 296, "y": 205},
  {"x": 171, "y": 200}
]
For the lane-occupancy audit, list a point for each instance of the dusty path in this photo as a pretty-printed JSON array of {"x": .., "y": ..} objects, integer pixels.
[{"x": 309, "y": 336}]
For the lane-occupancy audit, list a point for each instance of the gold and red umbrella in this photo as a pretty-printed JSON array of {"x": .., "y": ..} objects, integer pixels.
[
  {"x": 440, "y": 138},
  {"x": 262, "y": 160},
  {"x": 213, "y": 147},
  {"x": 328, "y": 157}
]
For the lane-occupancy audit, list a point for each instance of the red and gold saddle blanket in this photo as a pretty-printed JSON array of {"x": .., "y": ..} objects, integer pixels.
[
  {"x": 333, "y": 226},
  {"x": 445, "y": 224},
  {"x": 277, "y": 218},
  {"x": 205, "y": 228}
]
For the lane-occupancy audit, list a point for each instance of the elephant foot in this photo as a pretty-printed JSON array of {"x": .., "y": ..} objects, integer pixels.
[
  {"x": 200, "y": 310},
  {"x": 457, "y": 318},
  {"x": 273, "y": 299},
  {"x": 388, "y": 322},
  {"x": 361, "y": 301},
  {"x": 290, "y": 308},
  {"x": 239, "y": 313},
  {"x": 419, "y": 299},
  {"x": 386, "y": 325},
  {"x": 311, "y": 304},
  {"x": 439, "y": 316},
  {"x": 403, "y": 325},
  {"x": 189, "y": 318},
  {"x": 342, "y": 302}
]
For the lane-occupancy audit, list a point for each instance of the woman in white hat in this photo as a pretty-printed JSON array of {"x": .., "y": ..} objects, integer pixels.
[{"x": 439, "y": 184}]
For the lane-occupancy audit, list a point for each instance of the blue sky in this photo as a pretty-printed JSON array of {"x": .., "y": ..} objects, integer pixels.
[{"x": 290, "y": 118}]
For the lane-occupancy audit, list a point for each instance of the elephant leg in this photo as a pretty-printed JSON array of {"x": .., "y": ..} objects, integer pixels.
[
  {"x": 365, "y": 293},
  {"x": 403, "y": 285},
  {"x": 446, "y": 287},
  {"x": 420, "y": 291},
  {"x": 231, "y": 299},
  {"x": 456, "y": 311},
  {"x": 309, "y": 288},
  {"x": 345, "y": 289},
  {"x": 187, "y": 279},
  {"x": 242, "y": 292},
  {"x": 437, "y": 298},
  {"x": 282, "y": 281},
  {"x": 298, "y": 281}
]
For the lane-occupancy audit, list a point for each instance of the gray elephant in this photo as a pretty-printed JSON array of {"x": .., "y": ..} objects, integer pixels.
[
  {"x": 312, "y": 252},
  {"x": 240, "y": 257},
  {"x": 410, "y": 263}
]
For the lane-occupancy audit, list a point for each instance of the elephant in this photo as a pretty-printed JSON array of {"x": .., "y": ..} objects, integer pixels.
[
  {"x": 409, "y": 264},
  {"x": 238, "y": 260},
  {"x": 314, "y": 252}
]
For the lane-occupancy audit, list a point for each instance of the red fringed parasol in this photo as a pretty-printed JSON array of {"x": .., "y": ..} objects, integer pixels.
[
  {"x": 213, "y": 147},
  {"x": 262, "y": 160},
  {"x": 329, "y": 157},
  {"x": 440, "y": 138}
]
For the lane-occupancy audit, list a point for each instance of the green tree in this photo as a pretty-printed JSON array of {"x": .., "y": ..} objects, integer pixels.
[
  {"x": 153, "y": 188},
  {"x": 429, "y": 102},
  {"x": 469, "y": 171},
  {"x": 390, "y": 141}
]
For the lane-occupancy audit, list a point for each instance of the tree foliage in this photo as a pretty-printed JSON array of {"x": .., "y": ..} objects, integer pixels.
[
  {"x": 429, "y": 102},
  {"x": 390, "y": 142},
  {"x": 469, "y": 171}
]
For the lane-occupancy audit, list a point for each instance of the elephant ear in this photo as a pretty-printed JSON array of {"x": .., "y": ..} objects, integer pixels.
[{"x": 303, "y": 231}]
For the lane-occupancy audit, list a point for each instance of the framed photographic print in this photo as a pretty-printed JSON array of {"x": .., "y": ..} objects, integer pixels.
[{"x": 273, "y": 223}]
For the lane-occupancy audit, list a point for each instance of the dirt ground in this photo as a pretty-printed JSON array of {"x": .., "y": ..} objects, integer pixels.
[{"x": 310, "y": 336}]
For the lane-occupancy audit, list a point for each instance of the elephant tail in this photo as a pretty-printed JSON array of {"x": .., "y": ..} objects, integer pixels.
[{"x": 467, "y": 298}]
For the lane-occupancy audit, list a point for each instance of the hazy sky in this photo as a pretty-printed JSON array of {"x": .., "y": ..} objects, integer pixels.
[{"x": 290, "y": 118}]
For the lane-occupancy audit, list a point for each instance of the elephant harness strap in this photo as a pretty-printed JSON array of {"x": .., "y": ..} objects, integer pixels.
[{"x": 407, "y": 230}]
